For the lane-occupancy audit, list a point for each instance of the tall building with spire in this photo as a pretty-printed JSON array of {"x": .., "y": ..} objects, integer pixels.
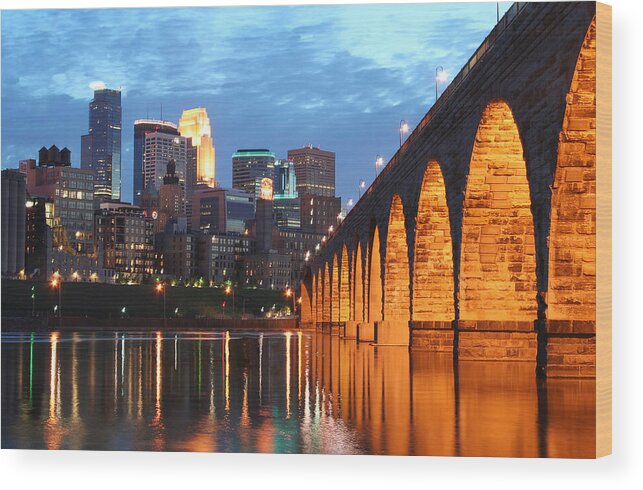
[
  {"x": 171, "y": 198},
  {"x": 101, "y": 146},
  {"x": 195, "y": 124}
]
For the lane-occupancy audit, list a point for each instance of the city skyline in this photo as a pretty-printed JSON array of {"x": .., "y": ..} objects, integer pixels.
[
  {"x": 473, "y": 271},
  {"x": 305, "y": 106}
]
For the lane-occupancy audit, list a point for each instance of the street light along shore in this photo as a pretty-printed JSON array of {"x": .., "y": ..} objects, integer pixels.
[{"x": 160, "y": 288}]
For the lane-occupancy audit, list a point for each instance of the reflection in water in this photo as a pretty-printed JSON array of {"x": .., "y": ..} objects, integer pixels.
[
  {"x": 78, "y": 391},
  {"x": 288, "y": 335}
]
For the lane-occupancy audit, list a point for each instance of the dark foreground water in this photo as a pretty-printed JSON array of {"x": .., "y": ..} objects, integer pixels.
[{"x": 280, "y": 392}]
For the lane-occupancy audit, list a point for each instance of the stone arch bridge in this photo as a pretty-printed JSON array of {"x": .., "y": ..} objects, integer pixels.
[{"x": 478, "y": 237}]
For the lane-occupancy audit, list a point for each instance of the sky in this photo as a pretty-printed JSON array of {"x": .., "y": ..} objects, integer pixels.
[{"x": 340, "y": 77}]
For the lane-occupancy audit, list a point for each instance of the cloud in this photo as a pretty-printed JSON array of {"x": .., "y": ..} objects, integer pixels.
[
  {"x": 338, "y": 76},
  {"x": 97, "y": 85}
]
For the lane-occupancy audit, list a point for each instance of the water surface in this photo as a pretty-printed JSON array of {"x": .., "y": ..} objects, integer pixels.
[{"x": 284, "y": 392}]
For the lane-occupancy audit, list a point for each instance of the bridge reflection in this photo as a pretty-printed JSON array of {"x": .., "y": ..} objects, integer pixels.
[{"x": 282, "y": 392}]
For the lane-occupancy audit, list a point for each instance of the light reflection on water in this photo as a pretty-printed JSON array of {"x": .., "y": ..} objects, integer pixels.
[{"x": 280, "y": 392}]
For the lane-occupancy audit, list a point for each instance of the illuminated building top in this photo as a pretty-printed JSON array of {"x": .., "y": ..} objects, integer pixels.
[{"x": 195, "y": 124}]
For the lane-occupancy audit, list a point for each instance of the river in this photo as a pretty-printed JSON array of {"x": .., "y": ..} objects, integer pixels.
[{"x": 280, "y": 392}]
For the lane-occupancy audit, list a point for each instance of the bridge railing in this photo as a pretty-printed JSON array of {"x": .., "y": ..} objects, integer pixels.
[{"x": 498, "y": 29}]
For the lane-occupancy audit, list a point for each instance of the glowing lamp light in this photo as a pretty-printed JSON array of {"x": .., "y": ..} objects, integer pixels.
[
  {"x": 405, "y": 129},
  {"x": 159, "y": 287},
  {"x": 442, "y": 76}
]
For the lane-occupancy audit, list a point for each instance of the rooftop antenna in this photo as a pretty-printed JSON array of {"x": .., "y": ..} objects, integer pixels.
[{"x": 161, "y": 111}]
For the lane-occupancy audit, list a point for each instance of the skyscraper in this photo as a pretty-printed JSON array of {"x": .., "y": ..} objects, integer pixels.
[
  {"x": 141, "y": 128},
  {"x": 159, "y": 149},
  {"x": 250, "y": 167},
  {"x": 221, "y": 210},
  {"x": 285, "y": 181},
  {"x": 171, "y": 199},
  {"x": 286, "y": 201},
  {"x": 71, "y": 190},
  {"x": 195, "y": 124},
  {"x": 14, "y": 198},
  {"x": 315, "y": 170},
  {"x": 101, "y": 147}
]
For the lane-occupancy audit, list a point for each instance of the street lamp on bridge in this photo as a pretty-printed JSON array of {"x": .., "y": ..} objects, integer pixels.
[
  {"x": 379, "y": 159},
  {"x": 362, "y": 186},
  {"x": 404, "y": 128},
  {"x": 440, "y": 76}
]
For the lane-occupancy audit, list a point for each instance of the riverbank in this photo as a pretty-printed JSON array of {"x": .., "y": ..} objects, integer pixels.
[{"x": 106, "y": 301}]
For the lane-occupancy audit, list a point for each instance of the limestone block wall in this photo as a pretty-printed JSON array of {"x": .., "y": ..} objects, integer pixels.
[
  {"x": 396, "y": 272},
  {"x": 514, "y": 140},
  {"x": 326, "y": 298},
  {"x": 344, "y": 286},
  {"x": 375, "y": 279},
  {"x": 572, "y": 257},
  {"x": 358, "y": 285},
  {"x": 498, "y": 259},
  {"x": 433, "y": 280},
  {"x": 335, "y": 285}
]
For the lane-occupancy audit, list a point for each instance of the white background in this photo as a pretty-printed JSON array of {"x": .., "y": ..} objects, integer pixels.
[{"x": 113, "y": 470}]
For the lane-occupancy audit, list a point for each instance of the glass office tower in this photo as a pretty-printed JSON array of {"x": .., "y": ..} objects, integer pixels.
[{"x": 101, "y": 146}]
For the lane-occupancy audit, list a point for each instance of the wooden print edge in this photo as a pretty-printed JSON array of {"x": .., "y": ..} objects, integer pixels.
[{"x": 603, "y": 229}]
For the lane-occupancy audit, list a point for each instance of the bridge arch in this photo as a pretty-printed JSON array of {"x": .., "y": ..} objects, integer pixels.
[
  {"x": 334, "y": 290},
  {"x": 374, "y": 277},
  {"x": 358, "y": 283},
  {"x": 396, "y": 271},
  {"x": 433, "y": 279},
  {"x": 326, "y": 300},
  {"x": 316, "y": 298},
  {"x": 306, "y": 309},
  {"x": 498, "y": 263},
  {"x": 572, "y": 239},
  {"x": 343, "y": 285}
]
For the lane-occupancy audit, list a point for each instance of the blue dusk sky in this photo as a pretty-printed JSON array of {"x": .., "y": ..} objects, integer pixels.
[{"x": 340, "y": 77}]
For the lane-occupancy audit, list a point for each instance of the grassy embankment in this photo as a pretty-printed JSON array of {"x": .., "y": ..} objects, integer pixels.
[{"x": 107, "y": 300}]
